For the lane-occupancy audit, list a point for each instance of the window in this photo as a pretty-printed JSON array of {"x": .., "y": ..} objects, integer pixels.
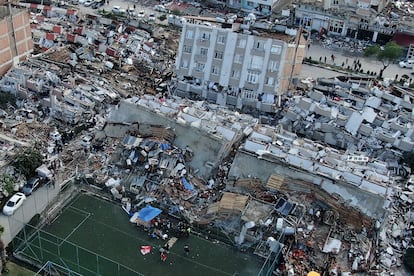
[
  {"x": 221, "y": 39},
  {"x": 249, "y": 94},
  {"x": 205, "y": 36},
  {"x": 252, "y": 77},
  {"x": 215, "y": 70},
  {"x": 235, "y": 74},
  {"x": 250, "y": 4},
  {"x": 184, "y": 64},
  {"x": 218, "y": 55},
  {"x": 242, "y": 43},
  {"x": 259, "y": 45},
  {"x": 270, "y": 80},
  {"x": 203, "y": 51},
  {"x": 238, "y": 58},
  {"x": 188, "y": 49},
  {"x": 273, "y": 65},
  {"x": 276, "y": 49},
  {"x": 189, "y": 34},
  {"x": 256, "y": 62},
  {"x": 335, "y": 2},
  {"x": 199, "y": 67}
]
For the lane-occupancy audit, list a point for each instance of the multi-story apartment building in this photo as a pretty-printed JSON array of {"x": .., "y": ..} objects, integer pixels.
[
  {"x": 235, "y": 67},
  {"x": 15, "y": 37},
  {"x": 263, "y": 7},
  {"x": 353, "y": 18}
]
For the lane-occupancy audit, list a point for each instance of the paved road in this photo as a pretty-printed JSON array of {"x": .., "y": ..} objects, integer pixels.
[
  {"x": 367, "y": 64},
  {"x": 33, "y": 205}
]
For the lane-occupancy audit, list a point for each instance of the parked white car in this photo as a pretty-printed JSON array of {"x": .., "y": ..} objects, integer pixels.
[
  {"x": 13, "y": 204},
  {"x": 407, "y": 64},
  {"x": 141, "y": 14}
]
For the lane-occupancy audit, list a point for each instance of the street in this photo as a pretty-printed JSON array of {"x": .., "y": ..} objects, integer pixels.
[{"x": 317, "y": 52}]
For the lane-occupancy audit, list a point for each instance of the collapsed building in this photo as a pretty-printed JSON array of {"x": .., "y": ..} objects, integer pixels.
[{"x": 299, "y": 204}]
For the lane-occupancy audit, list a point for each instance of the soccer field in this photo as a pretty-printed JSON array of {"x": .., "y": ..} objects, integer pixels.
[{"x": 94, "y": 237}]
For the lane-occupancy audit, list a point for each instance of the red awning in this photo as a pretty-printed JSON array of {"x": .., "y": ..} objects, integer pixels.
[{"x": 403, "y": 39}]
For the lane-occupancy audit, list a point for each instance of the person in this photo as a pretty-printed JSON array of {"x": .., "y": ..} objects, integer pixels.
[
  {"x": 187, "y": 249},
  {"x": 3, "y": 257},
  {"x": 163, "y": 256}
]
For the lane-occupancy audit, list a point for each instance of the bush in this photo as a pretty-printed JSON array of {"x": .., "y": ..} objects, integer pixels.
[{"x": 162, "y": 17}]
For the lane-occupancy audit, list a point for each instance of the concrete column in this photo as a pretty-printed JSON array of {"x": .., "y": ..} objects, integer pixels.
[{"x": 375, "y": 36}]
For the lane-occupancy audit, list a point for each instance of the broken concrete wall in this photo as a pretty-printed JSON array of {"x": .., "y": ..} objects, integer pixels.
[
  {"x": 247, "y": 165},
  {"x": 208, "y": 150}
]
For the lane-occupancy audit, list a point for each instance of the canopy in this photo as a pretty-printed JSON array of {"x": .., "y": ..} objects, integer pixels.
[{"x": 148, "y": 213}]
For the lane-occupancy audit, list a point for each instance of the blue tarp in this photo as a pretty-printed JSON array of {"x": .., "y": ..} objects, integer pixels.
[
  {"x": 165, "y": 146},
  {"x": 148, "y": 213},
  {"x": 187, "y": 184}
]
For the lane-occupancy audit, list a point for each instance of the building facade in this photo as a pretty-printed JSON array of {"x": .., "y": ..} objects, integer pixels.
[
  {"x": 359, "y": 19},
  {"x": 232, "y": 67},
  {"x": 263, "y": 7},
  {"x": 15, "y": 37}
]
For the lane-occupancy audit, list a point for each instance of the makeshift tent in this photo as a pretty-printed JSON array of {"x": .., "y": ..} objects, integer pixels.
[
  {"x": 313, "y": 273},
  {"x": 147, "y": 213}
]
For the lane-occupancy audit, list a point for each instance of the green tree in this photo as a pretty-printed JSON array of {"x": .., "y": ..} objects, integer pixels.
[
  {"x": 27, "y": 161},
  {"x": 387, "y": 54},
  {"x": 7, "y": 182},
  {"x": 176, "y": 12}
]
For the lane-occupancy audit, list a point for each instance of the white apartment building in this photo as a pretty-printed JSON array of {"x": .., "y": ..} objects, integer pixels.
[{"x": 231, "y": 67}]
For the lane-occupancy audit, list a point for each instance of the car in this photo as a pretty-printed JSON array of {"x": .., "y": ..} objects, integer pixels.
[
  {"x": 118, "y": 10},
  {"x": 151, "y": 17},
  {"x": 131, "y": 12},
  {"x": 406, "y": 64},
  {"x": 141, "y": 14},
  {"x": 88, "y": 3},
  {"x": 13, "y": 204},
  {"x": 81, "y": 2},
  {"x": 161, "y": 8},
  {"x": 31, "y": 185},
  {"x": 97, "y": 4}
]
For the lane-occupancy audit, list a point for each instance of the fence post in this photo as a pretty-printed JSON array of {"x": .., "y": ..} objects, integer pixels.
[
  {"x": 77, "y": 258},
  {"x": 40, "y": 244}
]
